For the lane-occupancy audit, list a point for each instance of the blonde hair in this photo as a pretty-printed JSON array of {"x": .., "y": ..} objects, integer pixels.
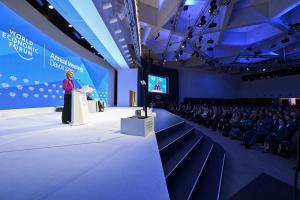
[{"x": 68, "y": 72}]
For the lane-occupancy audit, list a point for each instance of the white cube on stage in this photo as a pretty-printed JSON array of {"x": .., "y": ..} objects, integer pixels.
[{"x": 137, "y": 126}]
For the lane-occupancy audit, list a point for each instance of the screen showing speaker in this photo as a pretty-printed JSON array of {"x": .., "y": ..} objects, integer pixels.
[
  {"x": 157, "y": 84},
  {"x": 33, "y": 66}
]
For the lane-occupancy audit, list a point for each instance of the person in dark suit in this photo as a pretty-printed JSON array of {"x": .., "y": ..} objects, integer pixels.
[
  {"x": 272, "y": 140},
  {"x": 68, "y": 86},
  {"x": 262, "y": 129},
  {"x": 291, "y": 125}
]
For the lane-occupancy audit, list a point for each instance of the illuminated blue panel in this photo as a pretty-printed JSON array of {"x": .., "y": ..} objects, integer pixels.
[
  {"x": 157, "y": 84},
  {"x": 250, "y": 60},
  {"x": 33, "y": 65},
  {"x": 85, "y": 18}
]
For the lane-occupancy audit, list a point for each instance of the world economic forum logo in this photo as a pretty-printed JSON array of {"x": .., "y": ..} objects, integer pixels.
[{"x": 24, "y": 47}]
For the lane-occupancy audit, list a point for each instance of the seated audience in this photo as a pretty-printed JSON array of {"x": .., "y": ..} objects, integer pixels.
[{"x": 272, "y": 126}]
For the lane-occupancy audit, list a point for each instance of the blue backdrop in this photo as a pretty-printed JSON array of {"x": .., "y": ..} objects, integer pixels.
[{"x": 33, "y": 65}]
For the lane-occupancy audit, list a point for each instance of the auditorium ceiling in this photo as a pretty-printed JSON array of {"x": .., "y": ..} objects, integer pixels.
[{"x": 223, "y": 34}]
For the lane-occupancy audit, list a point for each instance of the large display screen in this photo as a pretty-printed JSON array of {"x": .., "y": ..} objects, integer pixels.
[
  {"x": 157, "y": 84},
  {"x": 33, "y": 66}
]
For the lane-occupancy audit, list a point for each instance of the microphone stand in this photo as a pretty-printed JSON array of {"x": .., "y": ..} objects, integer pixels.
[{"x": 144, "y": 84}]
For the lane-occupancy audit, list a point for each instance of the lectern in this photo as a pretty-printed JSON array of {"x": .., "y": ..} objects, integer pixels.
[{"x": 79, "y": 109}]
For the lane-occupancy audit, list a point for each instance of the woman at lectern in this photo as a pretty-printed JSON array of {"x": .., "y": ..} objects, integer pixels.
[{"x": 68, "y": 86}]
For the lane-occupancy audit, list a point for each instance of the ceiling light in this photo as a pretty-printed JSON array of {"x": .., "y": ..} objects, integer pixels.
[
  {"x": 81, "y": 37},
  {"x": 113, "y": 20},
  {"x": 210, "y": 41},
  {"x": 190, "y": 35},
  {"x": 202, "y": 21},
  {"x": 257, "y": 52},
  {"x": 50, "y": 7},
  {"x": 157, "y": 36},
  {"x": 106, "y": 6},
  {"x": 124, "y": 46},
  {"x": 118, "y": 31},
  {"x": 183, "y": 44},
  {"x": 212, "y": 25},
  {"x": 126, "y": 51},
  {"x": 286, "y": 40},
  {"x": 121, "y": 39},
  {"x": 70, "y": 26},
  {"x": 92, "y": 46}
]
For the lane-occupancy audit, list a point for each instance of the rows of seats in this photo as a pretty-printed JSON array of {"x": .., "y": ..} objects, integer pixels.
[{"x": 274, "y": 127}]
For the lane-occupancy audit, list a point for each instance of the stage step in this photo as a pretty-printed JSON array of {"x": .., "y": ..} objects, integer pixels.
[
  {"x": 173, "y": 157},
  {"x": 193, "y": 164},
  {"x": 182, "y": 182},
  {"x": 167, "y": 140},
  {"x": 209, "y": 184},
  {"x": 170, "y": 129}
]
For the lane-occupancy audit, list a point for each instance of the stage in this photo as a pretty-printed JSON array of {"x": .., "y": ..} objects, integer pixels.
[{"x": 44, "y": 159}]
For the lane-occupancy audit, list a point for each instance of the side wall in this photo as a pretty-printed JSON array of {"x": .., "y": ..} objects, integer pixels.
[
  {"x": 199, "y": 84},
  {"x": 127, "y": 80},
  {"x": 288, "y": 86}
]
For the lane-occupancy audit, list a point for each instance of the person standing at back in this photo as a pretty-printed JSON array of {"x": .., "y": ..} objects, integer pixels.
[{"x": 68, "y": 86}]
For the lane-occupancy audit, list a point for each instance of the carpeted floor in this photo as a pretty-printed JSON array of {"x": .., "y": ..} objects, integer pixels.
[
  {"x": 243, "y": 165},
  {"x": 265, "y": 187}
]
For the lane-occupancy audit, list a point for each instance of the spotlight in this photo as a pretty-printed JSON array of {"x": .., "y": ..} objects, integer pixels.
[
  {"x": 248, "y": 69},
  {"x": 264, "y": 69},
  {"x": 157, "y": 36},
  {"x": 212, "y": 25},
  {"x": 70, "y": 26},
  {"x": 185, "y": 8},
  {"x": 183, "y": 44},
  {"x": 50, "y": 7},
  {"x": 286, "y": 40},
  {"x": 257, "y": 52},
  {"x": 190, "y": 35},
  {"x": 212, "y": 8},
  {"x": 225, "y": 2},
  {"x": 200, "y": 38},
  {"x": 202, "y": 21},
  {"x": 210, "y": 41}
]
